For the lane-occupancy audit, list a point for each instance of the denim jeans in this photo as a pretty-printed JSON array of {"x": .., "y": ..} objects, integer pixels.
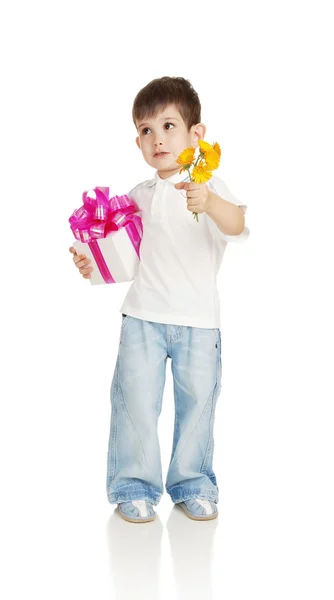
[{"x": 134, "y": 460}]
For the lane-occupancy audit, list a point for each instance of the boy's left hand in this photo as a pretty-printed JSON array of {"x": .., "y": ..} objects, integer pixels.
[{"x": 197, "y": 195}]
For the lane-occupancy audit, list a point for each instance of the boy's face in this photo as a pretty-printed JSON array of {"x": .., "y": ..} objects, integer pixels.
[{"x": 163, "y": 137}]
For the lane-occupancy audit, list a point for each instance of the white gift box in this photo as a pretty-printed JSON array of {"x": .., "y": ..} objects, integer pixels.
[
  {"x": 114, "y": 258},
  {"x": 119, "y": 254}
]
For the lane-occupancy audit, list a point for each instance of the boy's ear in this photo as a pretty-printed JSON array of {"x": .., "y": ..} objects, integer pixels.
[
  {"x": 138, "y": 142},
  {"x": 199, "y": 131}
]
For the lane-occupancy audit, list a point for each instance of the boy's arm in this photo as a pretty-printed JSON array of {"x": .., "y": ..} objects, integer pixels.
[
  {"x": 228, "y": 217},
  {"x": 222, "y": 199}
]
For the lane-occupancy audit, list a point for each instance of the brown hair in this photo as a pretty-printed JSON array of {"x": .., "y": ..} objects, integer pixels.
[{"x": 159, "y": 93}]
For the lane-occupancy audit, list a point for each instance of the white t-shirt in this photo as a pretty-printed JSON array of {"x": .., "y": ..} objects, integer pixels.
[{"x": 179, "y": 257}]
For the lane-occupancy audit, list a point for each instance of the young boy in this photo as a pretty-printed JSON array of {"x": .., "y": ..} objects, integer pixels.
[{"x": 171, "y": 310}]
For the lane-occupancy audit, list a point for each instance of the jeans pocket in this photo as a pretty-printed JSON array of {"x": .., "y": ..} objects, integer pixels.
[{"x": 125, "y": 319}]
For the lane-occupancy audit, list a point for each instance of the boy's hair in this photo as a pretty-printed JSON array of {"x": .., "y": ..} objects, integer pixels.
[{"x": 159, "y": 93}]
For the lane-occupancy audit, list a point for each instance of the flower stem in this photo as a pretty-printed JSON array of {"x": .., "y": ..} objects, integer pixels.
[
  {"x": 195, "y": 214},
  {"x": 200, "y": 155},
  {"x": 189, "y": 174}
]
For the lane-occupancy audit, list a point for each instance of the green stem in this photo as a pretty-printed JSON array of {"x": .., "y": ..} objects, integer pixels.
[
  {"x": 189, "y": 174},
  {"x": 200, "y": 156},
  {"x": 195, "y": 214}
]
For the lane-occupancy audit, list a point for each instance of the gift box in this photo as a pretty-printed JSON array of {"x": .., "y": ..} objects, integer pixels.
[{"x": 109, "y": 232}]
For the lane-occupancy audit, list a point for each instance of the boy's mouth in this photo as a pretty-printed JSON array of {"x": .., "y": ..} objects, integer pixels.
[{"x": 161, "y": 154}]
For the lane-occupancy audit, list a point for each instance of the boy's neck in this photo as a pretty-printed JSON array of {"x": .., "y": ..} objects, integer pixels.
[{"x": 166, "y": 174}]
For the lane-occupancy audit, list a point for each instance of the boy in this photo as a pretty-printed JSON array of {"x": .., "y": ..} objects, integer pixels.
[{"x": 171, "y": 310}]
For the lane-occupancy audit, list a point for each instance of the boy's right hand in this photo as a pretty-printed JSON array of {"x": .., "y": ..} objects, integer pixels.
[{"x": 82, "y": 263}]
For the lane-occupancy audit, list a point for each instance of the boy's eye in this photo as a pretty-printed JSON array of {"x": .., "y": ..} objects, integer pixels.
[{"x": 148, "y": 129}]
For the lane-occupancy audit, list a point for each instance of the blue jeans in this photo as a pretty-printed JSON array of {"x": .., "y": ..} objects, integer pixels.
[{"x": 134, "y": 460}]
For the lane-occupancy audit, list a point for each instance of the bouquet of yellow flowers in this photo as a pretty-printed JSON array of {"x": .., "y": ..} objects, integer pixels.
[{"x": 207, "y": 160}]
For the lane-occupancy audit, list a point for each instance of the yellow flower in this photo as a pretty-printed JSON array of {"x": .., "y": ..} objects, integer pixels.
[
  {"x": 186, "y": 157},
  {"x": 204, "y": 146},
  {"x": 212, "y": 159},
  {"x": 211, "y": 154},
  {"x": 201, "y": 173},
  {"x": 216, "y": 147}
]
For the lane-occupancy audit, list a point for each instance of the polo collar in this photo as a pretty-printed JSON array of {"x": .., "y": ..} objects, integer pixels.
[{"x": 176, "y": 178}]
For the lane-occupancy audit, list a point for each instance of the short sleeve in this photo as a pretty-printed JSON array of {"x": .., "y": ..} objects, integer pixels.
[
  {"x": 139, "y": 194},
  {"x": 134, "y": 194},
  {"x": 219, "y": 187}
]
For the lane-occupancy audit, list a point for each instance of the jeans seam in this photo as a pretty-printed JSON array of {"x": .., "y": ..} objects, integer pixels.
[
  {"x": 113, "y": 446},
  {"x": 198, "y": 420},
  {"x": 128, "y": 415},
  {"x": 210, "y": 440},
  {"x": 175, "y": 426},
  {"x": 114, "y": 427},
  {"x": 209, "y": 444}
]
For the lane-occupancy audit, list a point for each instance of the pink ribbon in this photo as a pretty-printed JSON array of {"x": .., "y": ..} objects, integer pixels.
[{"x": 102, "y": 216}]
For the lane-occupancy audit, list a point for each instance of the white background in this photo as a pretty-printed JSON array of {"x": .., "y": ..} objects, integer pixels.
[{"x": 70, "y": 71}]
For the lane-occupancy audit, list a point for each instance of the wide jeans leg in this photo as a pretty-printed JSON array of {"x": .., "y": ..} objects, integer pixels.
[
  {"x": 197, "y": 372},
  {"x": 134, "y": 461}
]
